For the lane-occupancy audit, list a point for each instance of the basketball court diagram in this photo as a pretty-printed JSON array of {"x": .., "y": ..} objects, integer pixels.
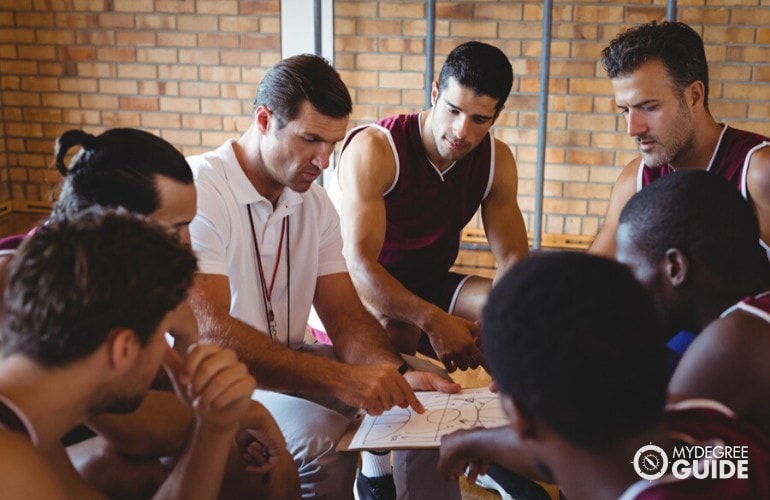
[{"x": 444, "y": 413}]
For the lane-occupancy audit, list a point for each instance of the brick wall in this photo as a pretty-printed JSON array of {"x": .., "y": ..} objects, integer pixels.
[
  {"x": 184, "y": 69},
  {"x": 187, "y": 70}
]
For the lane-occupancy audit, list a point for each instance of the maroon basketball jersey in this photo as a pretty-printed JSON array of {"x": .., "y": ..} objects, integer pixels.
[
  {"x": 729, "y": 160},
  {"x": 694, "y": 422},
  {"x": 426, "y": 209}
]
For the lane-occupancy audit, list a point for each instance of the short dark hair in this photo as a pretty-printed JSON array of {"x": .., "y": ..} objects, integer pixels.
[
  {"x": 701, "y": 214},
  {"x": 300, "y": 78},
  {"x": 77, "y": 279},
  {"x": 482, "y": 67},
  {"x": 118, "y": 168},
  {"x": 575, "y": 341},
  {"x": 675, "y": 44}
]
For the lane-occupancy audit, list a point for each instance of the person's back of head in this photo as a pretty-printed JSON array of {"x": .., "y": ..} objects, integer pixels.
[
  {"x": 701, "y": 215},
  {"x": 481, "y": 67},
  {"x": 675, "y": 44},
  {"x": 117, "y": 168},
  {"x": 300, "y": 78},
  {"x": 79, "y": 278},
  {"x": 574, "y": 340}
]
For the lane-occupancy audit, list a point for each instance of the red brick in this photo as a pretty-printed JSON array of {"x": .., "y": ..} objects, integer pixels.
[
  {"x": 258, "y": 41},
  {"x": 97, "y": 37},
  {"x": 42, "y": 115},
  {"x": 263, "y": 7},
  {"x": 39, "y": 52},
  {"x": 133, "y": 70},
  {"x": 61, "y": 100},
  {"x": 77, "y": 21},
  {"x": 134, "y": 38},
  {"x": 34, "y": 19},
  {"x": 121, "y": 118},
  {"x": 176, "y": 39},
  {"x": 216, "y": 40},
  {"x": 221, "y": 106},
  {"x": 96, "y": 69},
  {"x": 81, "y": 116},
  {"x": 157, "y": 55},
  {"x": 17, "y": 35},
  {"x": 239, "y": 24},
  {"x": 97, "y": 101},
  {"x": 116, "y": 20},
  {"x": 175, "y": 6},
  {"x": 155, "y": 22},
  {"x": 180, "y": 104},
  {"x": 201, "y": 57},
  {"x": 134, "y": 5}
]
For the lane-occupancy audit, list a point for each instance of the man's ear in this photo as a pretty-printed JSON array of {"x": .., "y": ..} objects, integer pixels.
[
  {"x": 262, "y": 117},
  {"x": 695, "y": 94},
  {"x": 676, "y": 266},
  {"x": 433, "y": 93},
  {"x": 522, "y": 423},
  {"x": 123, "y": 347},
  {"x": 497, "y": 114}
]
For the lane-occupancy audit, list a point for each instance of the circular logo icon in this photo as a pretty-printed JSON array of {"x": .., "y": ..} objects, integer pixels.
[{"x": 650, "y": 462}]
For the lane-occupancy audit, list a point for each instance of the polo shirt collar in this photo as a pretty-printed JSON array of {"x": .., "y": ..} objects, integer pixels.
[{"x": 245, "y": 192}]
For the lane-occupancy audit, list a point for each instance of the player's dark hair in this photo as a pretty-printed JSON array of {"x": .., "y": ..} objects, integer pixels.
[{"x": 575, "y": 341}]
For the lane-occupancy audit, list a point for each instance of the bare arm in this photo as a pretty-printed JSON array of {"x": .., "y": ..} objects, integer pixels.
[
  {"x": 503, "y": 222},
  {"x": 376, "y": 387},
  {"x": 478, "y": 448},
  {"x": 727, "y": 362},
  {"x": 358, "y": 338},
  {"x": 758, "y": 186},
  {"x": 367, "y": 168},
  {"x": 622, "y": 191},
  {"x": 158, "y": 427},
  {"x": 275, "y": 366},
  {"x": 26, "y": 472},
  {"x": 218, "y": 387}
]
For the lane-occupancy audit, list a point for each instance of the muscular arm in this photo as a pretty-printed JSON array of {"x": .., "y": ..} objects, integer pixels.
[
  {"x": 758, "y": 186},
  {"x": 367, "y": 168},
  {"x": 622, "y": 191},
  {"x": 376, "y": 387},
  {"x": 503, "y": 222},
  {"x": 358, "y": 338},
  {"x": 275, "y": 366},
  {"x": 727, "y": 363}
]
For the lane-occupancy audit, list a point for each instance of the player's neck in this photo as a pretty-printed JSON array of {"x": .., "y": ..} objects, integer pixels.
[
  {"x": 429, "y": 143},
  {"x": 588, "y": 474}
]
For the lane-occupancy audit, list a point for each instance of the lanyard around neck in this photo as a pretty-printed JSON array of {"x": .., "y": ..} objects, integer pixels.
[{"x": 267, "y": 292}]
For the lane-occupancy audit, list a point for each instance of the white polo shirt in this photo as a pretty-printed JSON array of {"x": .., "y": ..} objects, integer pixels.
[{"x": 222, "y": 239}]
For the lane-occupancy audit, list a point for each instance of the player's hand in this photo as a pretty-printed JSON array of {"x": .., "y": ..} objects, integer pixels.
[
  {"x": 375, "y": 388},
  {"x": 260, "y": 441},
  {"x": 456, "y": 456},
  {"x": 213, "y": 382},
  {"x": 183, "y": 328},
  {"x": 428, "y": 381},
  {"x": 456, "y": 342}
]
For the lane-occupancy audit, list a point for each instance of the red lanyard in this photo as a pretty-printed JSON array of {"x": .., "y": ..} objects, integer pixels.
[{"x": 267, "y": 293}]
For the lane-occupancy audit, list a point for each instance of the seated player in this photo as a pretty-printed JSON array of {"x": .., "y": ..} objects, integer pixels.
[{"x": 585, "y": 389}]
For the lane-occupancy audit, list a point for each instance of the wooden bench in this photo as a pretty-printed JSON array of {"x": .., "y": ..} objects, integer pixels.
[{"x": 475, "y": 239}]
